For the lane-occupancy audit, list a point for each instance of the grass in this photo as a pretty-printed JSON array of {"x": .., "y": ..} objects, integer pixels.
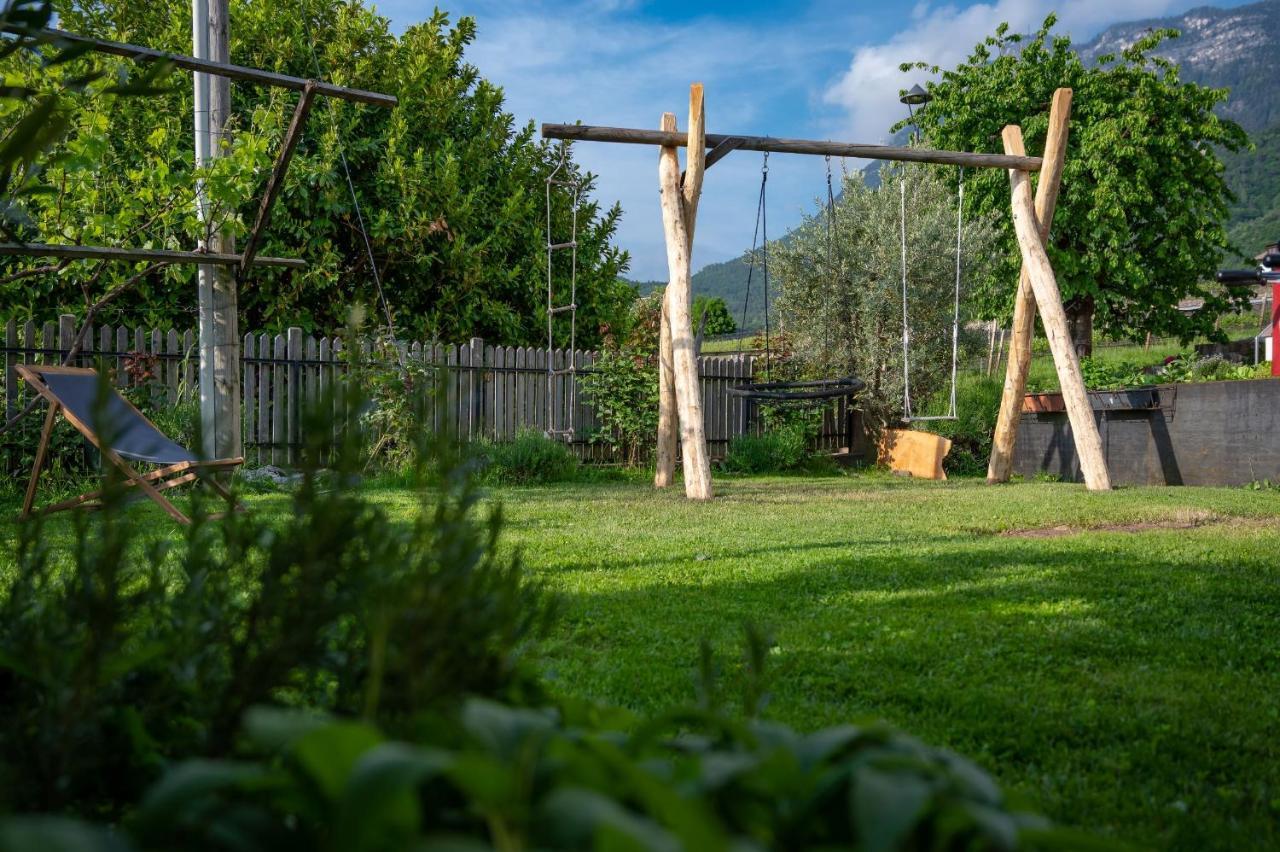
[{"x": 1122, "y": 680}]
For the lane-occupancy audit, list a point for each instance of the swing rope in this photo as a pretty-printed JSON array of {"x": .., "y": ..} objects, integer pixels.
[
  {"x": 783, "y": 392},
  {"x": 351, "y": 190},
  {"x": 751, "y": 268},
  {"x": 952, "y": 410},
  {"x": 831, "y": 265}
]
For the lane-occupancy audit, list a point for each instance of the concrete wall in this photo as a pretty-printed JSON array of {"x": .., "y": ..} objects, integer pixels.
[{"x": 1215, "y": 433}]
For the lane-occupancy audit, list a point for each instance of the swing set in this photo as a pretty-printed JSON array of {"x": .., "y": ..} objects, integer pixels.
[{"x": 680, "y": 398}]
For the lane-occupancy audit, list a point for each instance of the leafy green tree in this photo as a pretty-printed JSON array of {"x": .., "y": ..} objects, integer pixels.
[
  {"x": 718, "y": 320},
  {"x": 451, "y": 187},
  {"x": 1140, "y": 219},
  {"x": 845, "y": 317}
]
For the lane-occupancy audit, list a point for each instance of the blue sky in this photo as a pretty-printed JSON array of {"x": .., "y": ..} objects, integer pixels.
[{"x": 820, "y": 69}]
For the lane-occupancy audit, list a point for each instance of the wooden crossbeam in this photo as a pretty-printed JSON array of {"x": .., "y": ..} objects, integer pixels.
[
  {"x": 663, "y": 138},
  {"x": 125, "y": 254},
  {"x": 276, "y": 181},
  {"x": 206, "y": 66}
]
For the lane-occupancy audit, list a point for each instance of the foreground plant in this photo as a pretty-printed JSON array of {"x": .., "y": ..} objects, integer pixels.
[
  {"x": 496, "y": 777},
  {"x": 132, "y": 651}
]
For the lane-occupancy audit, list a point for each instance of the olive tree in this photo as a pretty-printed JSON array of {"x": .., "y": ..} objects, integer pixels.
[
  {"x": 841, "y": 298},
  {"x": 1140, "y": 218}
]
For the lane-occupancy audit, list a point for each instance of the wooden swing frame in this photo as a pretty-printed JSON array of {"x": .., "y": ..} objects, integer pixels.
[{"x": 680, "y": 397}]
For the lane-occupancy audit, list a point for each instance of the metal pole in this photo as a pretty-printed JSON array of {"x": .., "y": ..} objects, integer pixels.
[{"x": 218, "y": 309}]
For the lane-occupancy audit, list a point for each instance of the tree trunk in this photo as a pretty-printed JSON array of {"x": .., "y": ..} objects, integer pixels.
[
  {"x": 668, "y": 420},
  {"x": 1080, "y": 323}
]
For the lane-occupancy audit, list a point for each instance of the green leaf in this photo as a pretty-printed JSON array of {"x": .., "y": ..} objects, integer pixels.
[
  {"x": 579, "y": 818},
  {"x": 193, "y": 780},
  {"x": 379, "y": 800},
  {"x": 886, "y": 806},
  {"x": 274, "y": 728},
  {"x": 56, "y": 834},
  {"x": 329, "y": 754}
]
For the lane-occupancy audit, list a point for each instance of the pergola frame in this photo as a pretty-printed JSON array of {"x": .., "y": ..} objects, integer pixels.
[
  {"x": 680, "y": 398},
  {"x": 244, "y": 261}
]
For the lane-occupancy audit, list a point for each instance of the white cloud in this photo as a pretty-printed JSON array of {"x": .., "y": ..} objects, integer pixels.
[
  {"x": 601, "y": 65},
  {"x": 945, "y": 35}
]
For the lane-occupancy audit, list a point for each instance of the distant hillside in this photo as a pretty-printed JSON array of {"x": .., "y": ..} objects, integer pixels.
[
  {"x": 1254, "y": 176},
  {"x": 1231, "y": 48},
  {"x": 728, "y": 280}
]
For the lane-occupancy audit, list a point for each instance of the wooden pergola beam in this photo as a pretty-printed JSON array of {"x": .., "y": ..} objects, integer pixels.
[
  {"x": 126, "y": 254},
  {"x": 276, "y": 181},
  {"x": 663, "y": 138},
  {"x": 206, "y": 66}
]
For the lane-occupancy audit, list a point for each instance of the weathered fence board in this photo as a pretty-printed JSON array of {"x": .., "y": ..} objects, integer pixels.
[{"x": 487, "y": 391}]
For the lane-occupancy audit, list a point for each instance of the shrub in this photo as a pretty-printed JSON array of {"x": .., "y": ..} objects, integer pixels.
[
  {"x": 503, "y": 778},
  {"x": 781, "y": 449},
  {"x": 496, "y": 777},
  {"x": 1186, "y": 368},
  {"x": 129, "y": 653},
  {"x": 623, "y": 384},
  {"x": 399, "y": 406},
  {"x": 531, "y": 459},
  {"x": 623, "y": 389}
]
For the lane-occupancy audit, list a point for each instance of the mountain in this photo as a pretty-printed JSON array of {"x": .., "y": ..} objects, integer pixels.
[
  {"x": 1234, "y": 49},
  {"x": 1224, "y": 48},
  {"x": 728, "y": 280},
  {"x": 1254, "y": 176}
]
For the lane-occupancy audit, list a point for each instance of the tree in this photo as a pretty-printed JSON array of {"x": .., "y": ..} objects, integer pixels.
[
  {"x": 452, "y": 189},
  {"x": 845, "y": 317},
  {"x": 718, "y": 318},
  {"x": 1140, "y": 219}
]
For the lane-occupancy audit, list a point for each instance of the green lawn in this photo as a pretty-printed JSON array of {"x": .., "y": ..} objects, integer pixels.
[{"x": 1121, "y": 680}]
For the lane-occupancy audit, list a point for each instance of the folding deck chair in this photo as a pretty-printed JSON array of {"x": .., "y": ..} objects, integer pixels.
[{"x": 74, "y": 392}]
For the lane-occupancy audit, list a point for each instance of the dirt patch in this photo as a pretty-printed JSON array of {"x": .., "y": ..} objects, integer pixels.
[{"x": 1183, "y": 521}]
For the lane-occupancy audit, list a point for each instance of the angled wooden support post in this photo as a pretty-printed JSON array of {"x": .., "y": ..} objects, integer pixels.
[
  {"x": 1024, "y": 308},
  {"x": 679, "y": 214},
  {"x": 1044, "y": 285},
  {"x": 668, "y": 421},
  {"x": 276, "y": 181}
]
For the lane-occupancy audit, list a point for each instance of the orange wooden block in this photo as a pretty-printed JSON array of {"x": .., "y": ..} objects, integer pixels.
[{"x": 917, "y": 453}]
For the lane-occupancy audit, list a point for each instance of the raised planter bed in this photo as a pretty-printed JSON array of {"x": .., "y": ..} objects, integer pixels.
[
  {"x": 1212, "y": 433},
  {"x": 1120, "y": 400}
]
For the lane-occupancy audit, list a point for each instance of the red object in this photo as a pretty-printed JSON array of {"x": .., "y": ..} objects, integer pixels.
[
  {"x": 1037, "y": 403},
  {"x": 1275, "y": 330}
]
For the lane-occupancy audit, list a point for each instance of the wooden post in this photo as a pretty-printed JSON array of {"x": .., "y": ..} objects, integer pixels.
[
  {"x": 668, "y": 421},
  {"x": 1024, "y": 309},
  {"x": 691, "y": 192},
  {"x": 219, "y": 333},
  {"x": 679, "y": 208},
  {"x": 1047, "y": 296}
]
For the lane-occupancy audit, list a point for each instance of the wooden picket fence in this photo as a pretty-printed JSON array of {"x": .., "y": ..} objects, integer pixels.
[{"x": 490, "y": 392}]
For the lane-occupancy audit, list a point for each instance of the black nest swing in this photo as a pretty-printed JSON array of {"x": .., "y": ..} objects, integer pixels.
[
  {"x": 800, "y": 392},
  {"x": 821, "y": 389}
]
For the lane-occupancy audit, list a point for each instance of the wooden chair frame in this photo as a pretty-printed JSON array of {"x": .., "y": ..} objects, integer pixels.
[{"x": 151, "y": 484}]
